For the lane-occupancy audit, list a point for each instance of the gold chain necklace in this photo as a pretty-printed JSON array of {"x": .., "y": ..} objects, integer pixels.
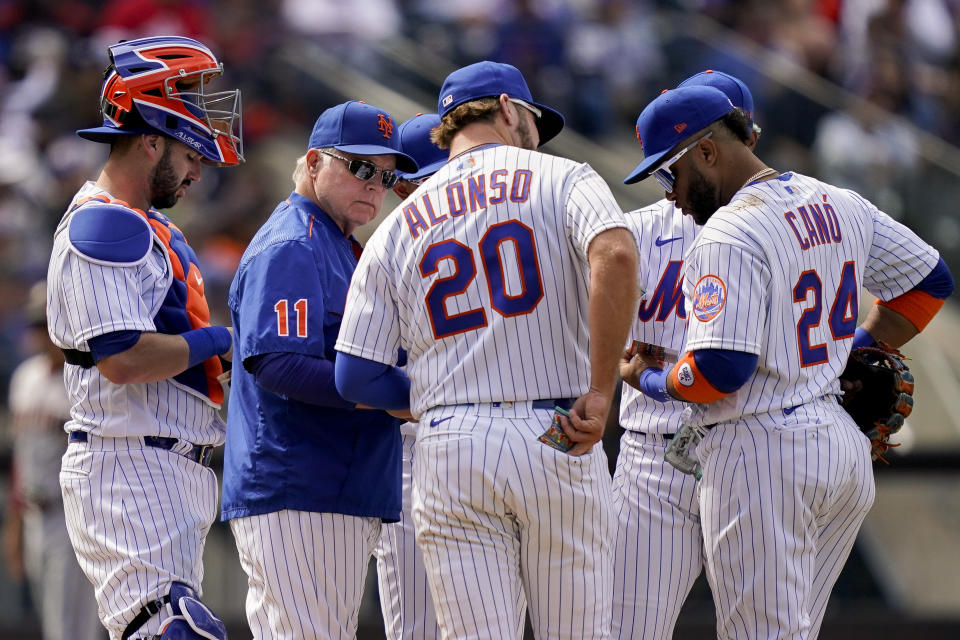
[{"x": 759, "y": 174}]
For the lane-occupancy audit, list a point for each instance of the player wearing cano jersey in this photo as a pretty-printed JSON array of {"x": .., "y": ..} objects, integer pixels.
[
  {"x": 126, "y": 304},
  {"x": 495, "y": 275},
  {"x": 408, "y": 611},
  {"x": 773, "y": 282},
  {"x": 659, "y": 547},
  {"x": 307, "y": 475}
]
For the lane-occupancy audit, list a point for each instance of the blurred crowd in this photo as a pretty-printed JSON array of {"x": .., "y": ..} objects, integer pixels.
[{"x": 598, "y": 61}]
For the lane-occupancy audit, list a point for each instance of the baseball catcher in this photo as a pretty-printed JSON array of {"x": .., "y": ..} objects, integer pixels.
[{"x": 878, "y": 393}]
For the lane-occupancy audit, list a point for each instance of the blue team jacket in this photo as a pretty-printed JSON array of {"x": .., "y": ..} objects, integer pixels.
[{"x": 288, "y": 297}]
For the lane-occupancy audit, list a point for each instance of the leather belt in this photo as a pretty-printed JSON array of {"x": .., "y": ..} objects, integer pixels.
[{"x": 199, "y": 453}]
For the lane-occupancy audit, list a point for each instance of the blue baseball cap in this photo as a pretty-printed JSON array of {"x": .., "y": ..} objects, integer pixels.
[
  {"x": 415, "y": 141},
  {"x": 735, "y": 88},
  {"x": 360, "y": 128},
  {"x": 671, "y": 118},
  {"x": 488, "y": 79}
]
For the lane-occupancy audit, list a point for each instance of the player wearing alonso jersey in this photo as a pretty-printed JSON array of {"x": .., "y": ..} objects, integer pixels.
[
  {"x": 773, "y": 281},
  {"x": 509, "y": 279}
]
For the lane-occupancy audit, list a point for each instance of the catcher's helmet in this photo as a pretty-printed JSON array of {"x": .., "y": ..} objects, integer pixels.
[{"x": 158, "y": 85}]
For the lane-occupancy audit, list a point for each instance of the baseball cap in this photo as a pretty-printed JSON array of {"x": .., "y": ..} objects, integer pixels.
[
  {"x": 734, "y": 88},
  {"x": 672, "y": 117},
  {"x": 415, "y": 141},
  {"x": 488, "y": 79},
  {"x": 360, "y": 128}
]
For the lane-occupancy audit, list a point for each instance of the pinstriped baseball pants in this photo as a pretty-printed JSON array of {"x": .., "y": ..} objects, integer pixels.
[
  {"x": 305, "y": 572},
  {"x": 502, "y": 519}
]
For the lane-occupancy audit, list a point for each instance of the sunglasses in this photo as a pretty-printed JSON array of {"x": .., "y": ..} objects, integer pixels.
[
  {"x": 365, "y": 170},
  {"x": 663, "y": 174},
  {"x": 529, "y": 107}
]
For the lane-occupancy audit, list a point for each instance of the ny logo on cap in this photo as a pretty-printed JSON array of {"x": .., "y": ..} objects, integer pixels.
[
  {"x": 638, "y": 136},
  {"x": 385, "y": 124}
]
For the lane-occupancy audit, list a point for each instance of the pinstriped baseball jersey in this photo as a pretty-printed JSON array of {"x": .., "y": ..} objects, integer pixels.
[
  {"x": 658, "y": 543},
  {"x": 86, "y": 299},
  {"x": 778, "y": 271},
  {"x": 663, "y": 235},
  {"x": 492, "y": 279}
]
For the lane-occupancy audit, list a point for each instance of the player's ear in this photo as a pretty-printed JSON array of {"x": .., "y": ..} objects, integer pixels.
[
  {"x": 707, "y": 151},
  {"x": 153, "y": 144},
  {"x": 314, "y": 162},
  {"x": 508, "y": 110}
]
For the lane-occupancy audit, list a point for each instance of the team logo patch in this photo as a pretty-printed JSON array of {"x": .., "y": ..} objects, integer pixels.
[
  {"x": 708, "y": 298},
  {"x": 385, "y": 125},
  {"x": 637, "y": 127},
  {"x": 685, "y": 374},
  {"x": 447, "y": 100}
]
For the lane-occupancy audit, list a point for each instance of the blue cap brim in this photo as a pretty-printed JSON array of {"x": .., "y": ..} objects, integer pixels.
[
  {"x": 109, "y": 134},
  {"x": 404, "y": 162},
  {"x": 424, "y": 172},
  {"x": 644, "y": 167},
  {"x": 549, "y": 124}
]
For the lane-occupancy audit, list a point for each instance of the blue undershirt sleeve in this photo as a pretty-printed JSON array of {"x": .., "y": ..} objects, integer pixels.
[
  {"x": 298, "y": 376},
  {"x": 938, "y": 283},
  {"x": 109, "y": 344},
  {"x": 372, "y": 383},
  {"x": 725, "y": 369}
]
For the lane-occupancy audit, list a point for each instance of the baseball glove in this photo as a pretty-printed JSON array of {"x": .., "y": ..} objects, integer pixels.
[{"x": 878, "y": 393}]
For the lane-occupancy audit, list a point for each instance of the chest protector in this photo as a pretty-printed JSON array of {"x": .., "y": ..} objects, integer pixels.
[{"x": 184, "y": 306}]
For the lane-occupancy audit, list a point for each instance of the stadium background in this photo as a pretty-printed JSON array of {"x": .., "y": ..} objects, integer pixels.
[{"x": 861, "y": 93}]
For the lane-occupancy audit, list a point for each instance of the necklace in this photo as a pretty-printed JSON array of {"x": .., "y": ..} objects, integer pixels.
[{"x": 759, "y": 174}]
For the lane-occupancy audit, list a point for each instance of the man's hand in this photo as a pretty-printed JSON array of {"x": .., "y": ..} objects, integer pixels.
[
  {"x": 635, "y": 361},
  {"x": 587, "y": 420}
]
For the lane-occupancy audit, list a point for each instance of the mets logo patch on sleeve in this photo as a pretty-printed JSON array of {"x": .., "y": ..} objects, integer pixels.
[{"x": 708, "y": 298}]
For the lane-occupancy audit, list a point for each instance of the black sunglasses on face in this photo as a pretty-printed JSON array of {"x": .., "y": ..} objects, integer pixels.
[{"x": 365, "y": 170}]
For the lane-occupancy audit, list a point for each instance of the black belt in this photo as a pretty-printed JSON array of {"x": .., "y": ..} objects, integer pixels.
[
  {"x": 549, "y": 403},
  {"x": 199, "y": 453},
  {"x": 83, "y": 359},
  {"x": 563, "y": 403},
  {"x": 665, "y": 436}
]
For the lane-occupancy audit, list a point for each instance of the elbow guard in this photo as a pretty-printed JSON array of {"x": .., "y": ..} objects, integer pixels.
[{"x": 691, "y": 384}]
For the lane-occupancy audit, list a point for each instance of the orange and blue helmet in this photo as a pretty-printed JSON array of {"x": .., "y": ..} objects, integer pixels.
[{"x": 159, "y": 85}]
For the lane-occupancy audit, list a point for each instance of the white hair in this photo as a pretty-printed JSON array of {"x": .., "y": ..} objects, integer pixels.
[{"x": 300, "y": 170}]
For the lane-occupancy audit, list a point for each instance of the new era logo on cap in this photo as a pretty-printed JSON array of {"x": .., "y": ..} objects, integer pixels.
[
  {"x": 487, "y": 79},
  {"x": 680, "y": 127}
]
